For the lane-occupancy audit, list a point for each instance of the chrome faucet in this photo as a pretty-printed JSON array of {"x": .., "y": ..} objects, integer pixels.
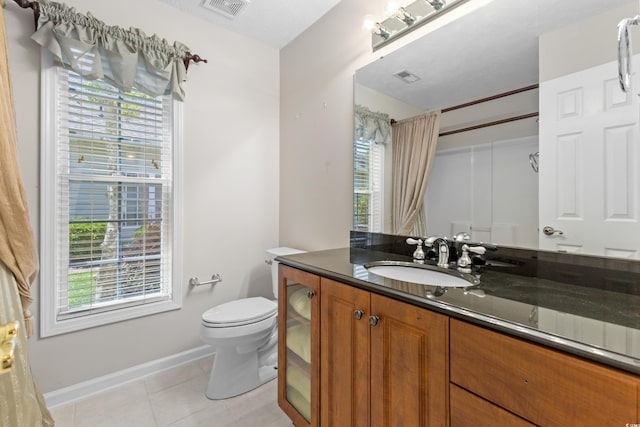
[{"x": 443, "y": 249}]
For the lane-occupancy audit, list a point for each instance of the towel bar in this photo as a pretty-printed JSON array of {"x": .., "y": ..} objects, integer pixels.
[{"x": 214, "y": 279}]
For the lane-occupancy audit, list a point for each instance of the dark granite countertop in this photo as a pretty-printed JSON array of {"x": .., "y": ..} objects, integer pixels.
[{"x": 589, "y": 321}]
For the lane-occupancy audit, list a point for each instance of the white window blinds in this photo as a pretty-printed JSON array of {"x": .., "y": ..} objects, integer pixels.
[
  {"x": 368, "y": 180},
  {"x": 113, "y": 198}
]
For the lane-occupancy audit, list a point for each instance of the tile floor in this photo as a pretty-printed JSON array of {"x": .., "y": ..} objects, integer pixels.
[{"x": 174, "y": 398}]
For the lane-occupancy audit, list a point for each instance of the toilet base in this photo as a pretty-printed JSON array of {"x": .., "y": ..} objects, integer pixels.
[{"x": 235, "y": 373}]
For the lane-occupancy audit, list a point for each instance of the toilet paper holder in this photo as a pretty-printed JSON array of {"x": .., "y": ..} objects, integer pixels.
[{"x": 214, "y": 279}]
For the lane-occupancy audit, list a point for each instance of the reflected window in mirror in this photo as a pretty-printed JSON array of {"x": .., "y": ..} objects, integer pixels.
[{"x": 372, "y": 132}]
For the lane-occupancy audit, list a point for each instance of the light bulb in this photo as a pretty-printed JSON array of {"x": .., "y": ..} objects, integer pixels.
[
  {"x": 368, "y": 22},
  {"x": 392, "y": 6}
]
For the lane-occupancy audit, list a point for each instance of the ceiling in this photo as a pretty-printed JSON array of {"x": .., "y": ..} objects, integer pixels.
[
  {"x": 273, "y": 22},
  {"x": 492, "y": 49}
]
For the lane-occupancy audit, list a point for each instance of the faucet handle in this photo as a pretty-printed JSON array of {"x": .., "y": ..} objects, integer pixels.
[
  {"x": 464, "y": 262},
  {"x": 480, "y": 250},
  {"x": 418, "y": 254}
]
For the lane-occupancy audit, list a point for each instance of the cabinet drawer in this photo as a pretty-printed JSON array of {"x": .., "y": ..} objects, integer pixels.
[
  {"x": 468, "y": 410},
  {"x": 544, "y": 386}
]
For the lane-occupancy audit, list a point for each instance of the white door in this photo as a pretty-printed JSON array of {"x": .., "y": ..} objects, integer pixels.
[{"x": 588, "y": 174}]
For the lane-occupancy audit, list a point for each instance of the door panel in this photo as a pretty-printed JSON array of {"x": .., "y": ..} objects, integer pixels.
[{"x": 589, "y": 161}]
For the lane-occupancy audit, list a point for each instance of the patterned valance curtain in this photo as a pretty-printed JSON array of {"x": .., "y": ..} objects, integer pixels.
[
  {"x": 126, "y": 58},
  {"x": 371, "y": 126}
]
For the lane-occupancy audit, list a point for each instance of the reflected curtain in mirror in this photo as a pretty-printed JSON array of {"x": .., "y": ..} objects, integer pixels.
[
  {"x": 372, "y": 133},
  {"x": 413, "y": 150}
]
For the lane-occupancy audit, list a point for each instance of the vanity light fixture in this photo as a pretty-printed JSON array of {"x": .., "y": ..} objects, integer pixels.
[
  {"x": 436, "y": 4},
  {"x": 381, "y": 31},
  {"x": 405, "y": 16}
]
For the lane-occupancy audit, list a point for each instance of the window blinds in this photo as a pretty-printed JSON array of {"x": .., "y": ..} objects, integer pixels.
[
  {"x": 368, "y": 181},
  {"x": 114, "y": 196}
]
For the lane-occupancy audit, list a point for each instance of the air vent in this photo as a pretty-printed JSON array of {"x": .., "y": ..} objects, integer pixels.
[
  {"x": 407, "y": 77},
  {"x": 227, "y": 8}
]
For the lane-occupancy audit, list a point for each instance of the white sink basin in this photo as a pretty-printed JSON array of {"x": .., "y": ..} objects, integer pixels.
[{"x": 422, "y": 274}]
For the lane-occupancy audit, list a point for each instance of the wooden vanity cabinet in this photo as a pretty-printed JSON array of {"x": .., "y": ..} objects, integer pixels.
[
  {"x": 298, "y": 345},
  {"x": 543, "y": 386},
  {"x": 349, "y": 357},
  {"x": 382, "y": 362}
]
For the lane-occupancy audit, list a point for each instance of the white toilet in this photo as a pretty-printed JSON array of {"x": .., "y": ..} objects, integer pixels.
[{"x": 244, "y": 334}]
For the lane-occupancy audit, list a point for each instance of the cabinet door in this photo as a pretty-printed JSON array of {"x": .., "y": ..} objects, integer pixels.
[
  {"x": 544, "y": 386},
  {"x": 409, "y": 375},
  {"x": 344, "y": 346},
  {"x": 298, "y": 345}
]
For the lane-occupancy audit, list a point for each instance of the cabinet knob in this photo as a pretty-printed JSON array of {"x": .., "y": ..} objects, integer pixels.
[
  {"x": 358, "y": 314},
  {"x": 373, "y": 320},
  {"x": 311, "y": 294}
]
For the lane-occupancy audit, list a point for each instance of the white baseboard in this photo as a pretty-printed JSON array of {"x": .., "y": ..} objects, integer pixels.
[{"x": 84, "y": 389}]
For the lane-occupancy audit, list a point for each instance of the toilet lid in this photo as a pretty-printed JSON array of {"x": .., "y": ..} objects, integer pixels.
[{"x": 240, "y": 312}]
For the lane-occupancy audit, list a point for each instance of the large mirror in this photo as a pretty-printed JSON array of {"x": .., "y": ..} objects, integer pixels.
[{"x": 553, "y": 163}]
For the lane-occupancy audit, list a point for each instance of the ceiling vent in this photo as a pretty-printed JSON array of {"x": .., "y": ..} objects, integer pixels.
[
  {"x": 407, "y": 77},
  {"x": 227, "y": 8}
]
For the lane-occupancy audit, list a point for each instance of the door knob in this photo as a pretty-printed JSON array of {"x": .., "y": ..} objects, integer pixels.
[
  {"x": 374, "y": 320},
  {"x": 550, "y": 231},
  {"x": 311, "y": 294},
  {"x": 358, "y": 314}
]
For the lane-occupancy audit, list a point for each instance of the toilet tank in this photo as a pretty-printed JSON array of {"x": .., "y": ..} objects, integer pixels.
[{"x": 271, "y": 255}]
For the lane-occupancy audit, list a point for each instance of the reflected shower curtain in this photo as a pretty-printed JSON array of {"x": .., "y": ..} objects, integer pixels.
[
  {"x": 21, "y": 404},
  {"x": 413, "y": 151}
]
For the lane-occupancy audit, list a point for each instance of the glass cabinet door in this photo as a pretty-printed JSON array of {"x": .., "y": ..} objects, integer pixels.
[{"x": 297, "y": 353}]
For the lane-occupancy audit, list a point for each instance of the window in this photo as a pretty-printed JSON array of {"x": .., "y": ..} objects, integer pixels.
[
  {"x": 110, "y": 198},
  {"x": 368, "y": 157}
]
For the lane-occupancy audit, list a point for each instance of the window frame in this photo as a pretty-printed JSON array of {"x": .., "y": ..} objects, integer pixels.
[{"x": 50, "y": 324}]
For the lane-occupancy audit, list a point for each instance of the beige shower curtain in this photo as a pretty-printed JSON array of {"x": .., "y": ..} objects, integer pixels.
[
  {"x": 413, "y": 150},
  {"x": 21, "y": 404}
]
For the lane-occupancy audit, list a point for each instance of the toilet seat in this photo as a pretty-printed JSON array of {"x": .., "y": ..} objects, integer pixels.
[{"x": 240, "y": 312}]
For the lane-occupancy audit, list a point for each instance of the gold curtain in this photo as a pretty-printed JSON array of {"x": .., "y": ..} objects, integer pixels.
[
  {"x": 413, "y": 151},
  {"x": 21, "y": 404},
  {"x": 17, "y": 250}
]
